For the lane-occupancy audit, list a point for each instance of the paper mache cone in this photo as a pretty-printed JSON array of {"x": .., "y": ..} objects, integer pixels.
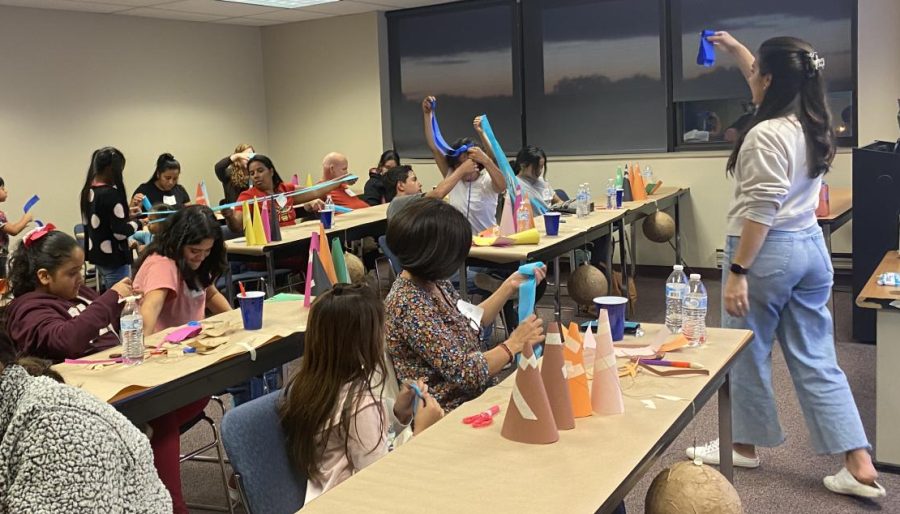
[
  {"x": 274, "y": 225},
  {"x": 527, "y": 237},
  {"x": 248, "y": 224},
  {"x": 579, "y": 392},
  {"x": 553, "y": 373},
  {"x": 325, "y": 255},
  {"x": 606, "y": 393},
  {"x": 267, "y": 227},
  {"x": 295, "y": 180},
  {"x": 529, "y": 418},
  {"x": 310, "y": 280},
  {"x": 507, "y": 219},
  {"x": 199, "y": 196},
  {"x": 259, "y": 233}
]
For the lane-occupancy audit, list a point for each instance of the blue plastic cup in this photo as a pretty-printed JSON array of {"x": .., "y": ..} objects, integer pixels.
[
  {"x": 615, "y": 308},
  {"x": 251, "y": 304},
  {"x": 551, "y": 223},
  {"x": 327, "y": 217},
  {"x": 620, "y": 195}
]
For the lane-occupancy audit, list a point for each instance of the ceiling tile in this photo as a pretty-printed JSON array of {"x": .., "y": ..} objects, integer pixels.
[
  {"x": 149, "y": 12},
  {"x": 403, "y": 4},
  {"x": 68, "y": 5},
  {"x": 245, "y": 20},
  {"x": 227, "y": 9},
  {"x": 289, "y": 15},
  {"x": 345, "y": 7},
  {"x": 134, "y": 3}
]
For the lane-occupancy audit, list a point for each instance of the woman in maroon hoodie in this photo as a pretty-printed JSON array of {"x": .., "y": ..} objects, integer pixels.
[{"x": 53, "y": 315}]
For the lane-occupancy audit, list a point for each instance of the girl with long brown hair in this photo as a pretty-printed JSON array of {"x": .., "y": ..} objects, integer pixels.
[
  {"x": 333, "y": 414},
  {"x": 232, "y": 171}
]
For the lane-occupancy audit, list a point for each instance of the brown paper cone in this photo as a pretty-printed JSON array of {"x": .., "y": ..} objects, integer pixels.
[
  {"x": 579, "y": 392},
  {"x": 528, "y": 417},
  {"x": 553, "y": 373},
  {"x": 606, "y": 393}
]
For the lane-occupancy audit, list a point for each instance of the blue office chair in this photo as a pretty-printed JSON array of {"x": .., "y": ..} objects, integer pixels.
[
  {"x": 255, "y": 443},
  {"x": 395, "y": 262}
]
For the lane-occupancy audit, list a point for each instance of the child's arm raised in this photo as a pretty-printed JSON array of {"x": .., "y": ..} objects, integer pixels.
[
  {"x": 439, "y": 158},
  {"x": 497, "y": 180},
  {"x": 13, "y": 229}
]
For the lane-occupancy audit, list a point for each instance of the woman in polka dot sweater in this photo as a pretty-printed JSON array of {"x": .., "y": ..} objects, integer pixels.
[{"x": 107, "y": 216}]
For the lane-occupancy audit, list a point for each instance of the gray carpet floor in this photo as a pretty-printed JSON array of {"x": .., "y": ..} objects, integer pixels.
[{"x": 790, "y": 477}]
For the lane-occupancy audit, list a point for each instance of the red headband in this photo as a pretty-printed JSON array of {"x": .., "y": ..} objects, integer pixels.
[{"x": 38, "y": 233}]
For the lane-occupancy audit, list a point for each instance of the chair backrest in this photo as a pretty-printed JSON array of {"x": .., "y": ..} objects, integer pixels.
[
  {"x": 256, "y": 445},
  {"x": 562, "y": 195},
  {"x": 395, "y": 262}
]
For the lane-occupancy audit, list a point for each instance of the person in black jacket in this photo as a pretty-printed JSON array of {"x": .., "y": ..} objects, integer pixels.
[
  {"x": 375, "y": 192},
  {"x": 163, "y": 186},
  {"x": 232, "y": 172},
  {"x": 108, "y": 217}
]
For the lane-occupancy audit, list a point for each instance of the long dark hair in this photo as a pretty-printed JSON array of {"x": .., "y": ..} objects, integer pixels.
[
  {"x": 190, "y": 226},
  {"x": 344, "y": 348},
  {"x": 49, "y": 253},
  {"x": 797, "y": 87},
  {"x": 388, "y": 155},
  {"x": 530, "y": 155},
  {"x": 452, "y": 161},
  {"x": 276, "y": 178},
  {"x": 431, "y": 240},
  {"x": 110, "y": 163},
  {"x": 164, "y": 162}
]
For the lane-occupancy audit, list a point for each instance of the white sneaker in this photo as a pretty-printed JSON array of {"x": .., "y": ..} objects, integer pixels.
[
  {"x": 709, "y": 454},
  {"x": 843, "y": 482}
]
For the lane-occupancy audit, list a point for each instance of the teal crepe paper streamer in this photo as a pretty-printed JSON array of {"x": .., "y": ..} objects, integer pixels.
[
  {"x": 145, "y": 203},
  {"x": 316, "y": 187},
  {"x": 508, "y": 174},
  {"x": 439, "y": 141},
  {"x": 342, "y": 209},
  {"x": 527, "y": 290},
  {"x": 706, "y": 55}
]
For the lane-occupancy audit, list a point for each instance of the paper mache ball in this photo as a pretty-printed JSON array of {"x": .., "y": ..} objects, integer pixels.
[
  {"x": 686, "y": 488},
  {"x": 355, "y": 268},
  {"x": 659, "y": 227},
  {"x": 587, "y": 283}
]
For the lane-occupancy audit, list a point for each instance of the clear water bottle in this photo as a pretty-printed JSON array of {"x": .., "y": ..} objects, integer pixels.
[
  {"x": 329, "y": 206},
  {"x": 611, "y": 194},
  {"x": 131, "y": 327},
  {"x": 694, "y": 312},
  {"x": 588, "y": 200},
  {"x": 581, "y": 202},
  {"x": 676, "y": 289}
]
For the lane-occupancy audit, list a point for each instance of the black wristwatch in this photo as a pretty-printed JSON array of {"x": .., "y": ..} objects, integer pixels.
[{"x": 737, "y": 269}]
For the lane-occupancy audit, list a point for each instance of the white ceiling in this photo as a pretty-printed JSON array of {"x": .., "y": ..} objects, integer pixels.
[{"x": 216, "y": 11}]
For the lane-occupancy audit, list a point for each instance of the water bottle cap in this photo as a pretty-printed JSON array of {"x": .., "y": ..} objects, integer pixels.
[
  {"x": 678, "y": 267},
  {"x": 695, "y": 276}
]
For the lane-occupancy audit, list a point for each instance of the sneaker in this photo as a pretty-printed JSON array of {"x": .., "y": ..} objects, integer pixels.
[
  {"x": 487, "y": 282},
  {"x": 709, "y": 454},
  {"x": 843, "y": 482}
]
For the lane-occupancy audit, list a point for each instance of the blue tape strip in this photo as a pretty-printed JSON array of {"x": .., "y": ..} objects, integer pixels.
[
  {"x": 439, "y": 139},
  {"x": 30, "y": 203},
  {"x": 512, "y": 181},
  {"x": 527, "y": 290},
  {"x": 706, "y": 55},
  {"x": 316, "y": 187}
]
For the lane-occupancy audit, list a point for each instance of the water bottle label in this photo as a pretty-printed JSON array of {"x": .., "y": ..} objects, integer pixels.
[{"x": 675, "y": 291}]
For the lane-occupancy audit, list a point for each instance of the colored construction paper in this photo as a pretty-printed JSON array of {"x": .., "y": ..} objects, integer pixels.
[
  {"x": 527, "y": 289},
  {"x": 439, "y": 141},
  {"x": 30, "y": 203},
  {"x": 248, "y": 225},
  {"x": 259, "y": 233},
  {"x": 295, "y": 180},
  {"x": 706, "y": 55},
  {"x": 274, "y": 225},
  {"x": 325, "y": 255},
  {"x": 267, "y": 227},
  {"x": 322, "y": 281},
  {"x": 340, "y": 265},
  {"x": 313, "y": 248},
  {"x": 309, "y": 180},
  {"x": 528, "y": 237},
  {"x": 201, "y": 197}
]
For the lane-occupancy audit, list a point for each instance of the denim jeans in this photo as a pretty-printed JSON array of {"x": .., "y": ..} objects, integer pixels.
[
  {"x": 789, "y": 285},
  {"x": 255, "y": 387},
  {"x": 108, "y": 276}
]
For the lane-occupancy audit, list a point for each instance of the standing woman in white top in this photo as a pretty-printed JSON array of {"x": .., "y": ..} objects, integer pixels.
[{"x": 779, "y": 275}]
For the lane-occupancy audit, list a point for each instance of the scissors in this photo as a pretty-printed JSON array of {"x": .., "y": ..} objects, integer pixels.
[{"x": 482, "y": 419}]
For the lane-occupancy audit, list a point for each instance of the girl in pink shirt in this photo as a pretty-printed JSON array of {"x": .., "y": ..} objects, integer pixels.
[{"x": 177, "y": 276}]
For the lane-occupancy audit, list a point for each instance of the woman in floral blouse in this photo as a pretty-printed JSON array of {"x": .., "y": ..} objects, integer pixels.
[{"x": 430, "y": 332}]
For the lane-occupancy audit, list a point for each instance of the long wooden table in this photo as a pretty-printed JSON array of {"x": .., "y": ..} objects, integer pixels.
[
  {"x": 452, "y": 467},
  {"x": 161, "y": 384},
  {"x": 371, "y": 221},
  {"x": 886, "y": 302}
]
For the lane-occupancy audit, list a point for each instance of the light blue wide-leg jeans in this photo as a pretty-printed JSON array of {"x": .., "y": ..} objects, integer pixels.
[{"x": 789, "y": 285}]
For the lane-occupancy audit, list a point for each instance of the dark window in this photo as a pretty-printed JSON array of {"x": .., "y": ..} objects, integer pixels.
[
  {"x": 593, "y": 79},
  {"x": 463, "y": 54},
  {"x": 712, "y": 103}
]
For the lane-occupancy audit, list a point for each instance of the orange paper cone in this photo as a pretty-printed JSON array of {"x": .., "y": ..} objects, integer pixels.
[
  {"x": 579, "y": 393},
  {"x": 325, "y": 255},
  {"x": 639, "y": 189},
  {"x": 529, "y": 418},
  {"x": 606, "y": 393},
  {"x": 553, "y": 372}
]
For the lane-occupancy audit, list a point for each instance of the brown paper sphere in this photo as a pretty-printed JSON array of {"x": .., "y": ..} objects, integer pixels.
[
  {"x": 355, "y": 268},
  {"x": 659, "y": 227},
  {"x": 686, "y": 488},
  {"x": 587, "y": 283}
]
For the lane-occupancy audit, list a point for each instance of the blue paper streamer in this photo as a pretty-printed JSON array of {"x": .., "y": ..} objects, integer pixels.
[
  {"x": 527, "y": 290},
  {"x": 706, "y": 55},
  {"x": 439, "y": 139},
  {"x": 321, "y": 185},
  {"x": 30, "y": 203},
  {"x": 512, "y": 181},
  {"x": 145, "y": 203}
]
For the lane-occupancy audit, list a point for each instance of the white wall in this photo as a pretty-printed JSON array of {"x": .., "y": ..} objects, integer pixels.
[
  {"x": 323, "y": 93},
  {"x": 73, "y": 82}
]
